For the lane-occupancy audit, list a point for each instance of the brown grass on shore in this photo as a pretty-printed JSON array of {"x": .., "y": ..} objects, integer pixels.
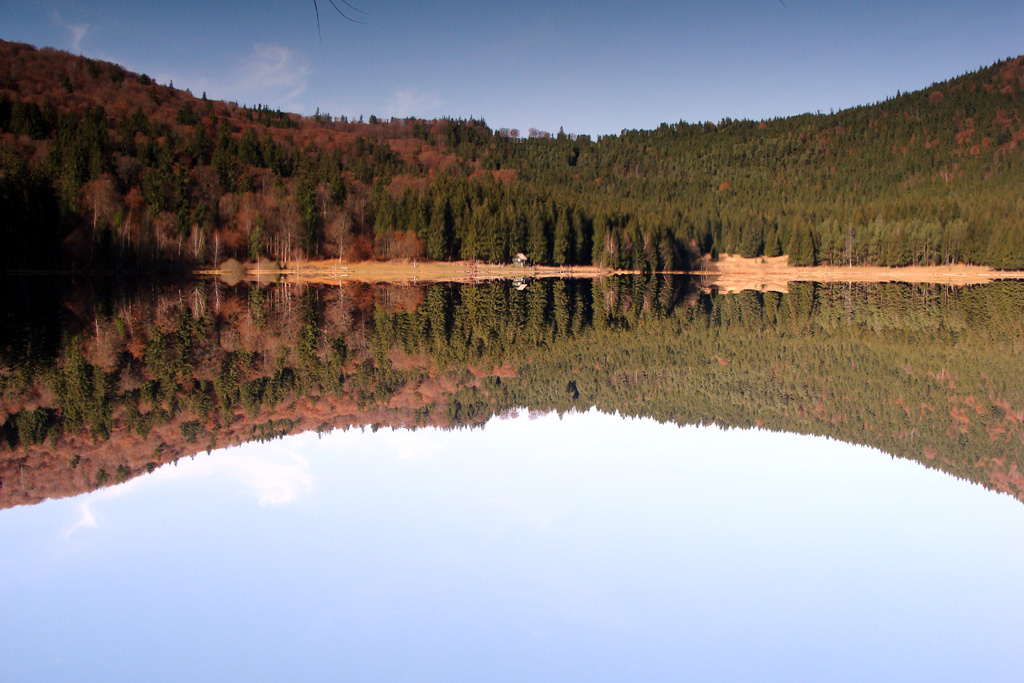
[
  {"x": 333, "y": 271},
  {"x": 728, "y": 273},
  {"x": 735, "y": 273}
]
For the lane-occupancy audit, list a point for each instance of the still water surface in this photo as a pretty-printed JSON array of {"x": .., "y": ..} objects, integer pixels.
[
  {"x": 586, "y": 547},
  {"x": 585, "y": 480}
]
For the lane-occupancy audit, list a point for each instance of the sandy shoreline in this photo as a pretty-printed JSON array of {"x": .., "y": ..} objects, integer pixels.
[
  {"x": 735, "y": 273},
  {"x": 728, "y": 273}
]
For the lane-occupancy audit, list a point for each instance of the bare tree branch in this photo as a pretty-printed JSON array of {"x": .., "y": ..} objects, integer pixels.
[
  {"x": 349, "y": 5},
  {"x": 316, "y": 8}
]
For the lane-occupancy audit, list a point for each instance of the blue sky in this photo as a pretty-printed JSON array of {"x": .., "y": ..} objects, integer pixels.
[{"x": 593, "y": 67}]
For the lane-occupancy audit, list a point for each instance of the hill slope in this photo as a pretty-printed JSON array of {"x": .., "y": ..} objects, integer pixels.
[{"x": 99, "y": 166}]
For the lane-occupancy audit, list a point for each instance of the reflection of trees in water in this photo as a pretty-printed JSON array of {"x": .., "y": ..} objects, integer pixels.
[{"x": 139, "y": 379}]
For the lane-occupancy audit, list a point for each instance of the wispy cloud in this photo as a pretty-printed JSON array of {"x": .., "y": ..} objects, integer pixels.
[
  {"x": 78, "y": 31},
  {"x": 270, "y": 74},
  {"x": 411, "y": 102}
]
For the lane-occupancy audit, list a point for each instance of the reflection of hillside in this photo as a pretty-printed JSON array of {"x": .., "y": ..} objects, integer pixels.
[{"x": 134, "y": 382}]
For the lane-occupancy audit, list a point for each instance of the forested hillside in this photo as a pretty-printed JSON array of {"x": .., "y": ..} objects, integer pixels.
[{"x": 100, "y": 167}]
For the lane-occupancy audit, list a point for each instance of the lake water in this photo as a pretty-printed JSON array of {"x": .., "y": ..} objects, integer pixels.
[{"x": 629, "y": 478}]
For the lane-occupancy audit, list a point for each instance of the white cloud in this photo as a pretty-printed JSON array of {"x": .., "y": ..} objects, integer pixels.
[
  {"x": 413, "y": 103},
  {"x": 270, "y": 74},
  {"x": 78, "y": 31}
]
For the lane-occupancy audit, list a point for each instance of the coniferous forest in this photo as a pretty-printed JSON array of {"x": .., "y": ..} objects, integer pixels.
[{"x": 101, "y": 168}]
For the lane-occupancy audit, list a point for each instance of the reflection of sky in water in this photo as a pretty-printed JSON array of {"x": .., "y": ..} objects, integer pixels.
[{"x": 584, "y": 548}]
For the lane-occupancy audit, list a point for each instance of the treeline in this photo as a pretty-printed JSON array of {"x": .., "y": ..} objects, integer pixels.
[
  {"x": 467, "y": 218},
  {"x": 148, "y": 194},
  {"x": 102, "y": 167},
  {"x": 928, "y": 177}
]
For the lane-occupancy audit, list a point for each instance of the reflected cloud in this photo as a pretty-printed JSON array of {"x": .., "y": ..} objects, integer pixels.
[
  {"x": 87, "y": 518},
  {"x": 85, "y": 521},
  {"x": 274, "y": 481},
  {"x": 274, "y": 476},
  {"x": 409, "y": 446}
]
